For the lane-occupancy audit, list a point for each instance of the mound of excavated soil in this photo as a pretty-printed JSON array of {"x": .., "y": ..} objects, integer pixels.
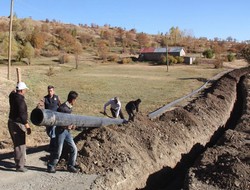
[
  {"x": 226, "y": 165},
  {"x": 131, "y": 155}
]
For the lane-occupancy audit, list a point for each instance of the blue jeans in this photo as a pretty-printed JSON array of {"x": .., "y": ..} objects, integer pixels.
[{"x": 63, "y": 136}]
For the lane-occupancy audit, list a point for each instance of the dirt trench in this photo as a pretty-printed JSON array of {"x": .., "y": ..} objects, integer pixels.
[
  {"x": 226, "y": 165},
  {"x": 138, "y": 154}
]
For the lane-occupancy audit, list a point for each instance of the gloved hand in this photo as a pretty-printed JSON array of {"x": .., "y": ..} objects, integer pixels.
[{"x": 28, "y": 131}]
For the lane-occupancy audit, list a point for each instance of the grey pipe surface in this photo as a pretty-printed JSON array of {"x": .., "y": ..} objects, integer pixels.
[{"x": 45, "y": 117}]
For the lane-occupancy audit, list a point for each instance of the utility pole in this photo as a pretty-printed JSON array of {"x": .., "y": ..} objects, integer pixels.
[
  {"x": 167, "y": 55},
  {"x": 10, "y": 36}
]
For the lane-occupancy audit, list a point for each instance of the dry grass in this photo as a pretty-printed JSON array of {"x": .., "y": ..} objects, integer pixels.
[{"x": 97, "y": 82}]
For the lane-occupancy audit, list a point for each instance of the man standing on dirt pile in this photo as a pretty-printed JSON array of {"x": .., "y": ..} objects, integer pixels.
[
  {"x": 52, "y": 102},
  {"x": 18, "y": 125},
  {"x": 131, "y": 107},
  {"x": 63, "y": 136},
  {"x": 115, "y": 107}
]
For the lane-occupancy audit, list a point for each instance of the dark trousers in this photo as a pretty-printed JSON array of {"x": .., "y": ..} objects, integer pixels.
[
  {"x": 113, "y": 111},
  {"x": 131, "y": 114},
  {"x": 18, "y": 137}
]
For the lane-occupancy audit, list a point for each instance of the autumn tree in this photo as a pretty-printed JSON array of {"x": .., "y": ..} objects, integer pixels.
[
  {"x": 85, "y": 38},
  {"x": 131, "y": 38},
  {"x": 245, "y": 53},
  {"x": 120, "y": 34},
  {"x": 142, "y": 39},
  {"x": 218, "y": 49},
  {"x": 66, "y": 42},
  {"x": 102, "y": 50},
  {"x": 109, "y": 37},
  {"x": 4, "y": 27},
  {"x": 37, "y": 39}
]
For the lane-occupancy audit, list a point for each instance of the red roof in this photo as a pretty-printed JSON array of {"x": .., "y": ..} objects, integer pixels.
[{"x": 147, "y": 50}]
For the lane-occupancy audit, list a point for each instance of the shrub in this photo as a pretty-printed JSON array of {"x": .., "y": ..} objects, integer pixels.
[
  {"x": 113, "y": 58},
  {"x": 51, "y": 71},
  {"x": 163, "y": 59},
  {"x": 64, "y": 58},
  {"x": 126, "y": 60},
  {"x": 230, "y": 57},
  {"x": 171, "y": 59},
  {"x": 218, "y": 63},
  {"x": 208, "y": 53},
  {"x": 196, "y": 61},
  {"x": 179, "y": 59},
  {"x": 50, "y": 53}
]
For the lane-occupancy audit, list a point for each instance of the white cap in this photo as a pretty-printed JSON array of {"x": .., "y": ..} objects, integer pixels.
[{"x": 21, "y": 86}]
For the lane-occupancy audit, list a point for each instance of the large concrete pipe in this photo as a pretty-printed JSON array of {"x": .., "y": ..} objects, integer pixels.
[{"x": 45, "y": 117}]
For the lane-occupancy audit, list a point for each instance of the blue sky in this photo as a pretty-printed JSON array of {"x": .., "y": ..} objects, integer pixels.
[{"x": 213, "y": 18}]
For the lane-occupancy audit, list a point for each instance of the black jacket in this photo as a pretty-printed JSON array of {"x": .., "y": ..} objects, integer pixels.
[
  {"x": 18, "y": 108},
  {"x": 51, "y": 103}
]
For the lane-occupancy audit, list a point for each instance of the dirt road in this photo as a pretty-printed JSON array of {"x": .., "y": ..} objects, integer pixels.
[{"x": 37, "y": 177}]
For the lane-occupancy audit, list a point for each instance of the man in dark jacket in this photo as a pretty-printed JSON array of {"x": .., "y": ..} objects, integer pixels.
[
  {"x": 131, "y": 107},
  {"x": 63, "y": 136},
  {"x": 52, "y": 102},
  {"x": 18, "y": 125}
]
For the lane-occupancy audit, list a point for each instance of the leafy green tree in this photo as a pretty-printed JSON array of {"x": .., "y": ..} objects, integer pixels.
[
  {"x": 175, "y": 34},
  {"x": 14, "y": 46},
  {"x": 26, "y": 52},
  {"x": 209, "y": 53}
]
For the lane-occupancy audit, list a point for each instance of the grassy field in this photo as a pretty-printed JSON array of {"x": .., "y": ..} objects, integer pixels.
[{"x": 96, "y": 83}]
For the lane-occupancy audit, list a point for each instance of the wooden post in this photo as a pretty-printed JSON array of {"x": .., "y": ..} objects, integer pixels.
[
  {"x": 10, "y": 34},
  {"x": 19, "y": 76}
]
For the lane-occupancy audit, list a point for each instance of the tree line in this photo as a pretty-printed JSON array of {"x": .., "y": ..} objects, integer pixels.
[{"x": 32, "y": 38}]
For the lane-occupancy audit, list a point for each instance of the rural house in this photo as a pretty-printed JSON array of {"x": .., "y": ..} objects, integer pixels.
[{"x": 154, "y": 54}]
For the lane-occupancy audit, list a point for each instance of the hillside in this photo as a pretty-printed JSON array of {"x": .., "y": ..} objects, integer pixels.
[{"x": 50, "y": 38}]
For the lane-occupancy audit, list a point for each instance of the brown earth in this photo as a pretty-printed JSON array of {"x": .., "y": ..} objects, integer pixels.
[
  {"x": 227, "y": 164},
  {"x": 155, "y": 154}
]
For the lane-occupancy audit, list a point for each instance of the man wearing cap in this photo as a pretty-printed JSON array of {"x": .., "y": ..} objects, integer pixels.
[
  {"x": 115, "y": 107},
  {"x": 52, "y": 102},
  {"x": 18, "y": 125}
]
